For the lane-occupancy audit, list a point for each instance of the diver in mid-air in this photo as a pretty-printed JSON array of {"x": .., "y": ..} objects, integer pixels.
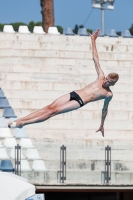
[{"x": 97, "y": 90}]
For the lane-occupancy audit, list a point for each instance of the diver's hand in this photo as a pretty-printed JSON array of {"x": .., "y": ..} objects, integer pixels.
[
  {"x": 101, "y": 129},
  {"x": 95, "y": 35}
]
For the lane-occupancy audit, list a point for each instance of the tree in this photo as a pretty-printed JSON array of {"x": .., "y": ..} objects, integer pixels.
[
  {"x": 131, "y": 29},
  {"x": 47, "y": 14},
  {"x": 60, "y": 29},
  {"x": 89, "y": 30},
  {"x": 16, "y": 25},
  {"x": 1, "y": 27},
  {"x": 118, "y": 33},
  {"x": 31, "y": 26},
  {"x": 75, "y": 30},
  {"x": 38, "y": 23}
]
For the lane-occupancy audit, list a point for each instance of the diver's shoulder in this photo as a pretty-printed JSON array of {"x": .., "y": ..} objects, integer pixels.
[{"x": 110, "y": 94}]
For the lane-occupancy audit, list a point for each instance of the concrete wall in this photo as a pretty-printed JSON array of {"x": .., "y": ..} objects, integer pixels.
[{"x": 36, "y": 69}]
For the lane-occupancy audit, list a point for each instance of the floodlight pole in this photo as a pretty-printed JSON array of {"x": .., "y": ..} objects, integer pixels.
[
  {"x": 100, "y": 5},
  {"x": 102, "y": 9}
]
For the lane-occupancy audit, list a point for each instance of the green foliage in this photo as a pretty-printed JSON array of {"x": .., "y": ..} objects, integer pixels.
[
  {"x": 60, "y": 29},
  {"x": 1, "y": 27},
  {"x": 75, "y": 30},
  {"x": 131, "y": 29},
  {"x": 89, "y": 30},
  {"x": 31, "y": 26},
  {"x": 81, "y": 26},
  {"x": 38, "y": 23},
  {"x": 118, "y": 33},
  {"x": 16, "y": 25}
]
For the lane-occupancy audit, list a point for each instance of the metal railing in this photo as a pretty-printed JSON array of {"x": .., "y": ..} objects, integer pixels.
[
  {"x": 18, "y": 160},
  {"x": 107, "y": 165},
  {"x": 62, "y": 171}
]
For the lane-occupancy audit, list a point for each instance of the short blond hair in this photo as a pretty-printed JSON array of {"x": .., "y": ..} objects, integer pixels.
[{"x": 113, "y": 76}]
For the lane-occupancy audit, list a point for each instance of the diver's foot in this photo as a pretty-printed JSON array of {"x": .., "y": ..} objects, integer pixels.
[{"x": 15, "y": 125}]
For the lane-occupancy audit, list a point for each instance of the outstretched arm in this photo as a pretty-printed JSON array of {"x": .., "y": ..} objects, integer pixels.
[
  {"x": 104, "y": 114},
  {"x": 95, "y": 54}
]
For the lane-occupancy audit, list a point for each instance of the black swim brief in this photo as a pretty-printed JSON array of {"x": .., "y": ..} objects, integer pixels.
[{"x": 76, "y": 97}]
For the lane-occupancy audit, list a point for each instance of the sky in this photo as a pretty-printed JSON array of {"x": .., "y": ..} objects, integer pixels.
[{"x": 68, "y": 13}]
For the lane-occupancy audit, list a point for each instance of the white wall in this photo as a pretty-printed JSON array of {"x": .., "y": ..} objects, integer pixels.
[{"x": 36, "y": 69}]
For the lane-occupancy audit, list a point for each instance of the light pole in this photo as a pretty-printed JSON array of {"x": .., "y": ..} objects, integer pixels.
[
  {"x": 102, "y": 9},
  {"x": 103, "y": 4}
]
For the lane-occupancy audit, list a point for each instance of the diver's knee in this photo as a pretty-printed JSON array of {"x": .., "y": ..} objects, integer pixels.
[{"x": 52, "y": 109}]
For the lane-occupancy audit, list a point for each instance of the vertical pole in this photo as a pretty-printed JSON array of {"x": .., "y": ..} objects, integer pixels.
[
  {"x": 107, "y": 164},
  {"x": 60, "y": 165},
  {"x": 15, "y": 160},
  {"x": 105, "y": 175},
  {"x": 17, "y": 157},
  {"x": 110, "y": 164},
  {"x": 20, "y": 160},
  {"x": 102, "y": 9},
  {"x": 63, "y": 163}
]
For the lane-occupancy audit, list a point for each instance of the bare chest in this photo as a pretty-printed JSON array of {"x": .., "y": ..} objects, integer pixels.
[
  {"x": 94, "y": 93},
  {"x": 98, "y": 93}
]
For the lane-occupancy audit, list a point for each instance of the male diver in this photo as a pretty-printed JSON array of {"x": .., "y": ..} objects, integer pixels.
[{"x": 97, "y": 90}]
